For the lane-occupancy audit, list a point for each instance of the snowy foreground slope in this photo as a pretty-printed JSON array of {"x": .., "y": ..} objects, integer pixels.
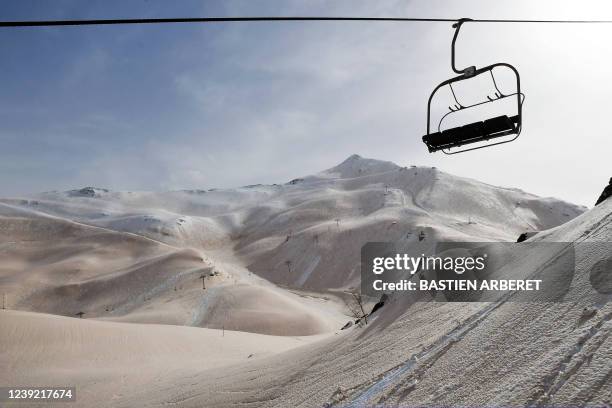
[
  {"x": 442, "y": 354},
  {"x": 275, "y": 261}
]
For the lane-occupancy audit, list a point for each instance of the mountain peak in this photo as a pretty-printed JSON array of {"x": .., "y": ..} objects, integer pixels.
[
  {"x": 88, "y": 192},
  {"x": 356, "y": 165}
]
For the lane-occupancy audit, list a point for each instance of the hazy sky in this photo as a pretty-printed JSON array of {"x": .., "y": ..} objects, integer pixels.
[{"x": 201, "y": 106}]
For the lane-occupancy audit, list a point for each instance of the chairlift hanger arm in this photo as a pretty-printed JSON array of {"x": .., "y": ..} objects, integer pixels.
[{"x": 469, "y": 71}]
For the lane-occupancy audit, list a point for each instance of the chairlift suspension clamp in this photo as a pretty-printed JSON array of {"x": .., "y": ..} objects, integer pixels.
[{"x": 469, "y": 71}]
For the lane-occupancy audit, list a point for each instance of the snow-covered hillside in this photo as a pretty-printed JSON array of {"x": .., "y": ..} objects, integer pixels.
[
  {"x": 294, "y": 233},
  {"x": 305, "y": 234},
  {"x": 264, "y": 269}
]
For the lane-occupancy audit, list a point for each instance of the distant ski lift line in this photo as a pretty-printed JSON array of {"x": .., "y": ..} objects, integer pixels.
[{"x": 51, "y": 23}]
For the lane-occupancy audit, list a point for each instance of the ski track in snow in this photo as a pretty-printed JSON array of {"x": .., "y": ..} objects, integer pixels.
[
  {"x": 200, "y": 311},
  {"x": 390, "y": 378},
  {"x": 306, "y": 274}
]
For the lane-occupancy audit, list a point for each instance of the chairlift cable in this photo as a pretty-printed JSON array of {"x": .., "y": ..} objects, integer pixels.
[{"x": 51, "y": 23}]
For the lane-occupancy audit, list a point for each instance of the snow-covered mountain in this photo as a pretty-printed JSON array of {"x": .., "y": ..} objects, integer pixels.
[
  {"x": 262, "y": 270},
  {"x": 317, "y": 223}
]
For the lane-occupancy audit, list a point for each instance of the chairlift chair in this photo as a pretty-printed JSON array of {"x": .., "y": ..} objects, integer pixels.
[{"x": 483, "y": 132}]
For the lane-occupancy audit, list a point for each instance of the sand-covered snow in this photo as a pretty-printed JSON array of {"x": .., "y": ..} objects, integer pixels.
[
  {"x": 108, "y": 361},
  {"x": 275, "y": 260}
]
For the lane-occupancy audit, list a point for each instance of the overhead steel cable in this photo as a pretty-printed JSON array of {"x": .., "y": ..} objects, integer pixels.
[{"x": 53, "y": 23}]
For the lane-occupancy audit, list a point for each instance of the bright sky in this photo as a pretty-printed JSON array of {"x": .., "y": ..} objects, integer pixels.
[{"x": 223, "y": 105}]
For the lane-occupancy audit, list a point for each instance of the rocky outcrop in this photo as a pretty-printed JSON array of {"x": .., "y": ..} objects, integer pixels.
[{"x": 607, "y": 192}]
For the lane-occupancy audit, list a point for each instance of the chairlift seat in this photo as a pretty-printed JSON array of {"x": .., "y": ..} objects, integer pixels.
[
  {"x": 471, "y": 133},
  {"x": 500, "y": 124}
]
